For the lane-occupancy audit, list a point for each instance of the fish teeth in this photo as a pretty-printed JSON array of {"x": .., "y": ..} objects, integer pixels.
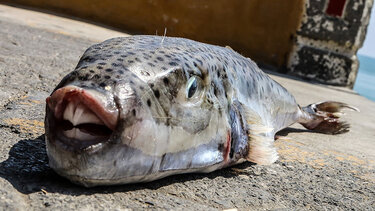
[
  {"x": 76, "y": 133},
  {"x": 80, "y": 114}
]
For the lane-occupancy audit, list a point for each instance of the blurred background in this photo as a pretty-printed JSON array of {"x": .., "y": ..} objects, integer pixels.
[
  {"x": 316, "y": 40},
  {"x": 365, "y": 82}
]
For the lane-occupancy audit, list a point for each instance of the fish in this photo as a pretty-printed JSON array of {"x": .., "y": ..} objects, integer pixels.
[{"x": 140, "y": 108}]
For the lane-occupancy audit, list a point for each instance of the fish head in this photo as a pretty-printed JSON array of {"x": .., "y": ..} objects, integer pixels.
[{"x": 121, "y": 119}]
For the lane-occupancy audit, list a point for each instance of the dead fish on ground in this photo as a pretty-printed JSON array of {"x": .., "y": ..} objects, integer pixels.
[{"x": 140, "y": 108}]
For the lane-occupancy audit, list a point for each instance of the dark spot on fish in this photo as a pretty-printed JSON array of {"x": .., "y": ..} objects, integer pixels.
[
  {"x": 161, "y": 51},
  {"x": 160, "y": 59},
  {"x": 92, "y": 71},
  {"x": 220, "y": 147},
  {"x": 83, "y": 78},
  {"x": 102, "y": 84},
  {"x": 120, "y": 60},
  {"x": 117, "y": 52},
  {"x": 102, "y": 63},
  {"x": 187, "y": 65},
  {"x": 123, "y": 55},
  {"x": 157, "y": 93},
  {"x": 166, "y": 81},
  {"x": 108, "y": 70},
  {"x": 131, "y": 53},
  {"x": 145, "y": 73},
  {"x": 164, "y": 68},
  {"x": 99, "y": 67},
  {"x": 130, "y": 61},
  {"x": 134, "y": 112},
  {"x": 107, "y": 77},
  {"x": 149, "y": 102},
  {"x": 141, "y": 87},
  {"x": 120, "y": 71},
  {"x": 96, "y": 76},
  {"x": 151, "y": 64},
  {"x": 173, "y": 63},
  {"x": 137, "y": 59},
  {"x": 88, "y": 59},
  {"x": 200, "y": 61},
  {"x": 115, "y": 64},
  {"x": 151, "y": 85}
]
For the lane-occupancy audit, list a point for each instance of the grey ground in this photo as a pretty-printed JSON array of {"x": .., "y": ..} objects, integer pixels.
[{"x": 315, "y": 171}]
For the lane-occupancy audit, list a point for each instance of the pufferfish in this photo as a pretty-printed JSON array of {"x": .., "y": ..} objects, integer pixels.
[{"x": 140, "y": 108}]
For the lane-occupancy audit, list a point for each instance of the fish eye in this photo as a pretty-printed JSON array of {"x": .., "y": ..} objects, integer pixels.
[{"x": 191, "y": 87}]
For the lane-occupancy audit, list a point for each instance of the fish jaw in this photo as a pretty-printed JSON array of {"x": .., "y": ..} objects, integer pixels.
[
  {"x": 135, "y": 151},
  {"x": 78, "y": 118}
]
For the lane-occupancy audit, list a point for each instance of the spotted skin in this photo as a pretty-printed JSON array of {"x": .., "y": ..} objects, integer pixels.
[{"x": 161, "y": 131}]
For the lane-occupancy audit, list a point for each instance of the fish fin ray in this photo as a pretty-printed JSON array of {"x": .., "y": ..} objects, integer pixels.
[
  {"x": 261, "y": 143},
  {"x": 324, "y": 117}
]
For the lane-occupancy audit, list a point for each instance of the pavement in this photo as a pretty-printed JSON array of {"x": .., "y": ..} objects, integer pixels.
[{"x": 315, "y": 171}]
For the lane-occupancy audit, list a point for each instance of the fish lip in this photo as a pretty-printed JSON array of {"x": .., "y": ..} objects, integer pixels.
[
  {"x": 56, "y": 105},
  {"x": 76, "y": 146}
]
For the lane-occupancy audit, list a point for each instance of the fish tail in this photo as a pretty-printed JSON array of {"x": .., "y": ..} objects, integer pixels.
[{"x": 324, "y": 117}]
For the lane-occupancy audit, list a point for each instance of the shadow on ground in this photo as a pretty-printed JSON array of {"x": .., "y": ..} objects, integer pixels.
[
  {"x": 27, "y": 170},
  {"x": 288, "y": 130}
]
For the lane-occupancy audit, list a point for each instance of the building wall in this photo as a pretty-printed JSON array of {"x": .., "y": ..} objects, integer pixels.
[{"x": 328, "y": 40}]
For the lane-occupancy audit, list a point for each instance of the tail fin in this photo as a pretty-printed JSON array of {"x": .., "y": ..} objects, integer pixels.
[{"x": 324, "y": 117}]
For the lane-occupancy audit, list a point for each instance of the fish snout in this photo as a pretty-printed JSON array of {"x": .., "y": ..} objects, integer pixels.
[{"x": 79, "y": 118}]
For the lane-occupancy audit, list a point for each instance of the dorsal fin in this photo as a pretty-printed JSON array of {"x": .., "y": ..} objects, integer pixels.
[{"x": 261, "y": 147}]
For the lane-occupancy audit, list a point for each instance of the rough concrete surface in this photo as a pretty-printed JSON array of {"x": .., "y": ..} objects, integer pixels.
[{"x": 315, "y": 171}]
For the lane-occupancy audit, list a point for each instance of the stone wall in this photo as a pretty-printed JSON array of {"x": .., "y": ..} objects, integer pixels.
[{"x": 326, "y": 43}]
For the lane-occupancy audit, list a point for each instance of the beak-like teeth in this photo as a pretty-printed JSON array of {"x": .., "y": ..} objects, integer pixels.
[
  {"x": 76, "y": 133},
  {"x": 80, "y": 114}
]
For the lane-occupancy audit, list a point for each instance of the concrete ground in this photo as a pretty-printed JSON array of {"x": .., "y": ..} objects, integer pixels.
[{"x": 315, "y": 171}]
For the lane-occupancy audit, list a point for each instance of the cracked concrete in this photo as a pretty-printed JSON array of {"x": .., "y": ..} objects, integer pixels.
[{"x": 315, "y": 171}]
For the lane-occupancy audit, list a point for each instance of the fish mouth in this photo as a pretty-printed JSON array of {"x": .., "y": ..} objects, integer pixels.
[{"x": 80, "y": 119}]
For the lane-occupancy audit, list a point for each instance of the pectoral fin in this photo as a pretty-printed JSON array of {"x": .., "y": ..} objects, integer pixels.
[{"x": 261, "y": 147}]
